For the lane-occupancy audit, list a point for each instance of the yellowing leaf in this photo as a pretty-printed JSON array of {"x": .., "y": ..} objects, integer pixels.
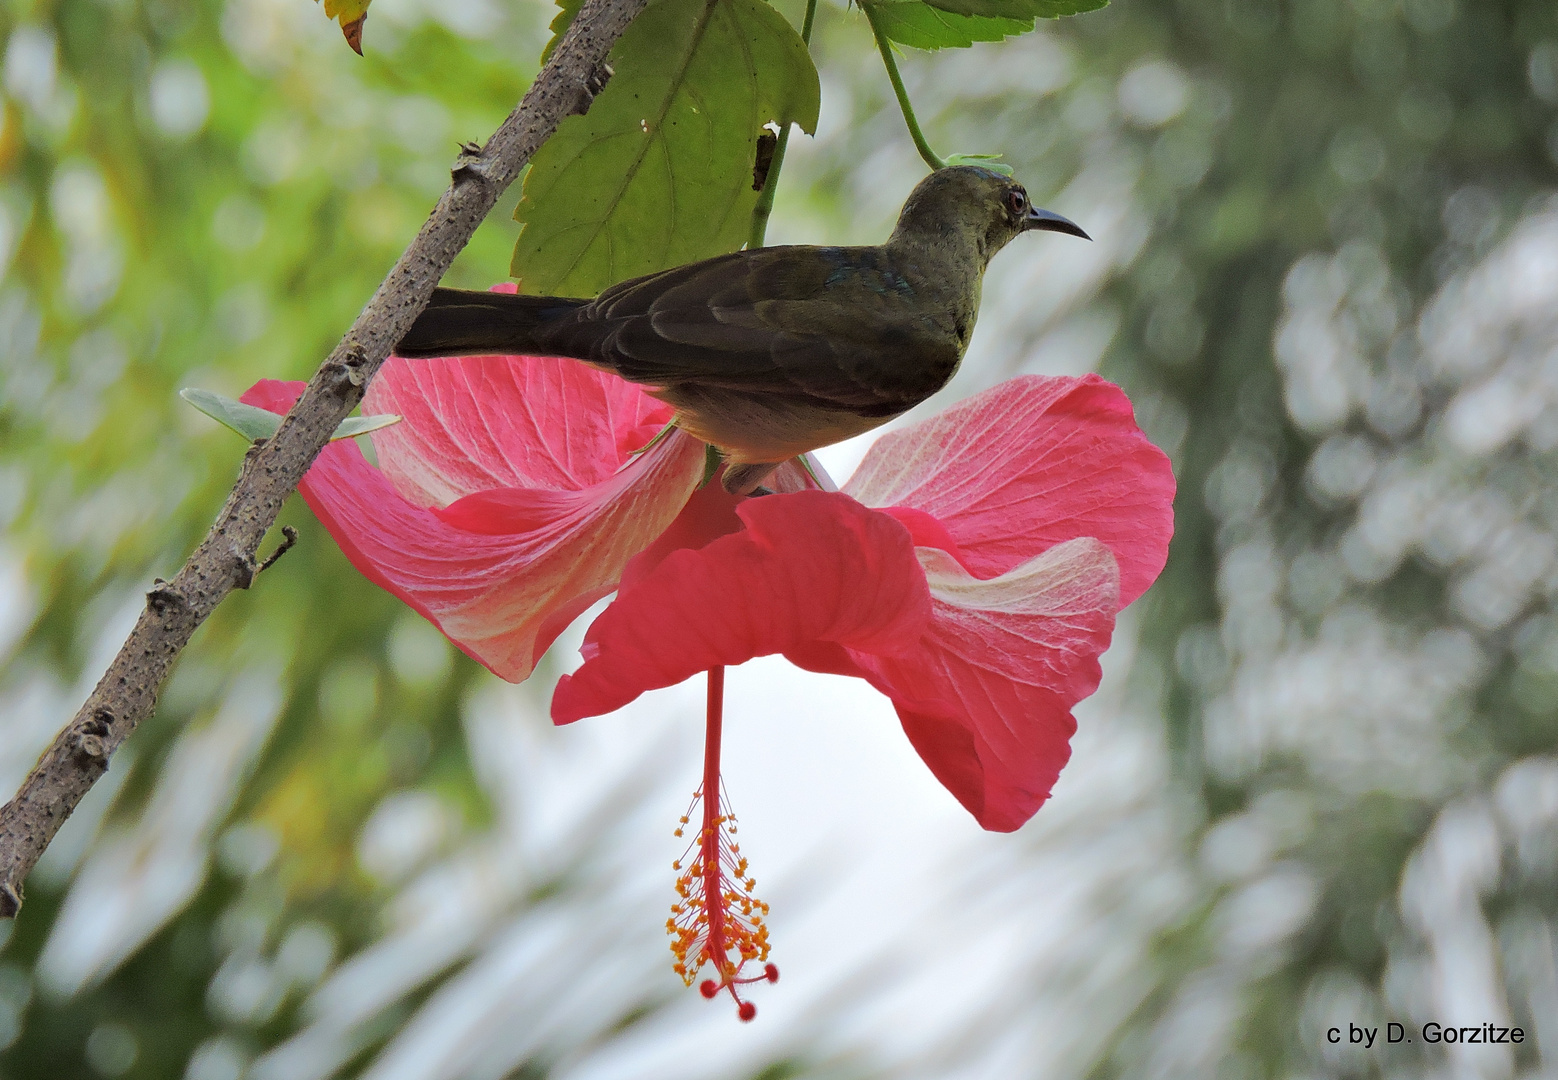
[
  {"x": 659, "y": 171},
  {"x": 351, "y": 14}
]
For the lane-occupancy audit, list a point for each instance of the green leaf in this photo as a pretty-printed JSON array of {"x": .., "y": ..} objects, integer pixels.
[
  {"x": 255, "y": 423},
  {"x": 920, "y": 26},
  {"x": 560, "y": 24},
  {"x": 659, "y": 172},
  {"x": 252, "y": 423},
  {"x": 361, "y": 425},
  {"x": 1018, "y": 9},
  {"x": 992, "y": 162}
]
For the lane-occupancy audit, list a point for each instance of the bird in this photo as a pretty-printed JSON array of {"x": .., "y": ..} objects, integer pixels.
[{"x": 768, "y": 353}]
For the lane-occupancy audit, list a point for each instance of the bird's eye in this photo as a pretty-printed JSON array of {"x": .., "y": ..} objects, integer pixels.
[{"x": 1017, "y": 199}]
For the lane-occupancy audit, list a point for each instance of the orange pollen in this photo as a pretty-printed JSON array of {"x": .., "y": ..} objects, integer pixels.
[{"x": 716, "y": 919}]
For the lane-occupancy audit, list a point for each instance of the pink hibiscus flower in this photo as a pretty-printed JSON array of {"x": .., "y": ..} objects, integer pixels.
[{"x": 971, "y": 570}]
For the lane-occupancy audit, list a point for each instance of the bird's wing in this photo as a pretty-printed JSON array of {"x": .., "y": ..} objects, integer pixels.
[{"x": 833, "y": 325}]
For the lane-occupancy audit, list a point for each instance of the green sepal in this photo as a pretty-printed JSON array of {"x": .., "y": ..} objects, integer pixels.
[
  {"x": 712, "y": 460},
  {"x": 660, "y": 437},
  {"x": 255, "y": 424},
  {"x": 807, "y": 463}
]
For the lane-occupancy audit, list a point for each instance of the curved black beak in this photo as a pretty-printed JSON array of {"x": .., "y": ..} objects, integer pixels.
[{"x": 1049, "y": 221}]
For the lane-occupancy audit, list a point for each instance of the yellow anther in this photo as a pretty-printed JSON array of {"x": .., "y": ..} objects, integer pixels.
[{"x": 712, "y": 872}]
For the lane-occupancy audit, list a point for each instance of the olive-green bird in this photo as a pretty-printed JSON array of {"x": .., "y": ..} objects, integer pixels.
[{"x": 772, "y": 352}]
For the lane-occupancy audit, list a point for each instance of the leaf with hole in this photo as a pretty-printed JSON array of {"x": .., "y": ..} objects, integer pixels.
[
  {"x": 255, "y": 424},
  {"x": 659, "y": 171}
]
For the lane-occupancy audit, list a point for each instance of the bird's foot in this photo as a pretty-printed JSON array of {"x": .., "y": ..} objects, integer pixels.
[{"x": 744, "y": 479}]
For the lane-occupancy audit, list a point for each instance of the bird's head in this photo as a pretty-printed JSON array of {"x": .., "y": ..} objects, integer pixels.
[{"x": 969, "y": 203}]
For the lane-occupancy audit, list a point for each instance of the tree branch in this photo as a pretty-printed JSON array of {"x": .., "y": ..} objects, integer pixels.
[{"x": 225, "y": 559}]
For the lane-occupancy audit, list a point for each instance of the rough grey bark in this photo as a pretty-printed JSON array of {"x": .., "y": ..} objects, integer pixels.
[{"x": 226, "y": 558}]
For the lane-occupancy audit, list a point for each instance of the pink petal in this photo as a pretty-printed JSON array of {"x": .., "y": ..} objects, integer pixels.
[
  {"x": 711, "y": 514},
  {"x": 708, "y": 515},
  {"x": 794, "y": 475},
  {"x": 501, "y": 573},
  {"x": 273, "y": 395},
  {"x": 1026, "y": 465},
  {"x": 808, "y": 567},
  {"x": 824, "y": 657},
  {"x": 986, "y": 697},
  {"x": 473, "y": 423},
  {"x": 926, "y": 530}
]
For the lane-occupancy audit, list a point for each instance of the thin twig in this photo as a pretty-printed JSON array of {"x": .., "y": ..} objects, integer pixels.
[
  {"x": 885, "y": 47},
  {"x": 289, "y": 538},
  {"x": 225, "y": 559},
  {"x": 765, "y": 202}
]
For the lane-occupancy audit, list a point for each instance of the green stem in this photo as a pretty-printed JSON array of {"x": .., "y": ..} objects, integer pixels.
[
  {"x": 765, "y": 202},
  {"x": 886, "y": 50}
]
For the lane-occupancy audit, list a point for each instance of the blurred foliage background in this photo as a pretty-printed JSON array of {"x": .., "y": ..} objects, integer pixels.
[{"x": 1319, "y": 786}]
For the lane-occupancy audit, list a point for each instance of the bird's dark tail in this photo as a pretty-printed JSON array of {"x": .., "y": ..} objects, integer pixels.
[{"x": 460, "y": 323}]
